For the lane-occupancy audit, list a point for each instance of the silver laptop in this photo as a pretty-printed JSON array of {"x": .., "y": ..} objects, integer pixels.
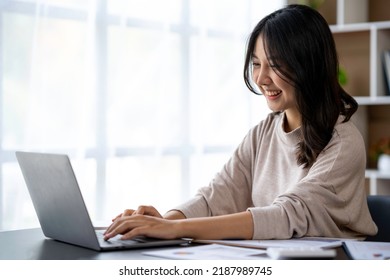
[{"x": 60, "y": 207}]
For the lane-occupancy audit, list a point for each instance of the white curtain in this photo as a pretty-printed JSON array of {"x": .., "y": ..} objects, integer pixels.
[{"x": 146, "y": 96}]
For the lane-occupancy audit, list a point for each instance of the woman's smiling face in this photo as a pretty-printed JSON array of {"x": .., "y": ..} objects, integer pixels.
[{"x": 280, "y": 94}]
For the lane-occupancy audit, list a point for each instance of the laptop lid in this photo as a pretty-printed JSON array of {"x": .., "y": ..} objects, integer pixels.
[
  {"x": 61, "y": 209},
  {"x": 57, "y": 198}
]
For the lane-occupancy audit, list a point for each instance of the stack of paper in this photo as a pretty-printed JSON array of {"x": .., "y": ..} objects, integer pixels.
[{"x": 242, "y": 249}]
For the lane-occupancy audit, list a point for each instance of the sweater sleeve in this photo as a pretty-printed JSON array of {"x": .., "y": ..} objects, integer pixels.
[
  {"x": 329, "y": 201},
  {"x": 229, "y": 191}
]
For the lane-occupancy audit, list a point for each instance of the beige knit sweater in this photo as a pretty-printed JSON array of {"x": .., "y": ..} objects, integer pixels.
[{"x": 285, "y": 199}]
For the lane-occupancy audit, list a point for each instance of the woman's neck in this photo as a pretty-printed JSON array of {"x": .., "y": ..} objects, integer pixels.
[{"x": 292, "y": 120}]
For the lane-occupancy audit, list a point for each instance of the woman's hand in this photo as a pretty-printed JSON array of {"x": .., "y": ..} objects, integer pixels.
[
  {"x": 134, "y": 225},
  {"x": 237, "y": 226},
  {"x": 141, "y": 210}
]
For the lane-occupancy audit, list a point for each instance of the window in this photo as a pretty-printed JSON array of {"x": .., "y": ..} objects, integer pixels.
[{"x": 148, "y": 104}]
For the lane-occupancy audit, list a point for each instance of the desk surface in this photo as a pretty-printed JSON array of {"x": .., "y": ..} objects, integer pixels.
[{"x": 31, "y": 244}]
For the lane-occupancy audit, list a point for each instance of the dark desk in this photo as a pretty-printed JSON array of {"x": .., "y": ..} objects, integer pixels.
[{"x": 31, "y": 244}]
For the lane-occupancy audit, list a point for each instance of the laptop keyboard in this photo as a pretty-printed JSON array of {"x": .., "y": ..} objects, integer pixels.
[{"x": 116, "y": 241}]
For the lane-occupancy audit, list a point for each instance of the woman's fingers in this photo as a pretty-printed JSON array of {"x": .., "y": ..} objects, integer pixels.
[
  {"x": 124, "y": 226},
  {"x": 127, "y": 212},
  {"x": 131, "y": 226},
  {"x": 141, "y": 210},
  {"x": 147, "y": 210}
]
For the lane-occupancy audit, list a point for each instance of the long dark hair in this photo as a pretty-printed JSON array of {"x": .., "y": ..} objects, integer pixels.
[{"x": 298, "y": 40}]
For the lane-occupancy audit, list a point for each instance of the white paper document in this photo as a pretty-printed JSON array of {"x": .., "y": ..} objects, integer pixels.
[
  {"x": 210, "y": 252},
  {"x": 366, "y": 250}
]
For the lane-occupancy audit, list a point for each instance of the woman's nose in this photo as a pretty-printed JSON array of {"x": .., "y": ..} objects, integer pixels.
[{"x": 262, "y": 78}]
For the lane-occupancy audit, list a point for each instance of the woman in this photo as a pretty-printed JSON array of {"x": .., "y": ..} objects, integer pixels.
[{"x": 299, "y": 172}]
